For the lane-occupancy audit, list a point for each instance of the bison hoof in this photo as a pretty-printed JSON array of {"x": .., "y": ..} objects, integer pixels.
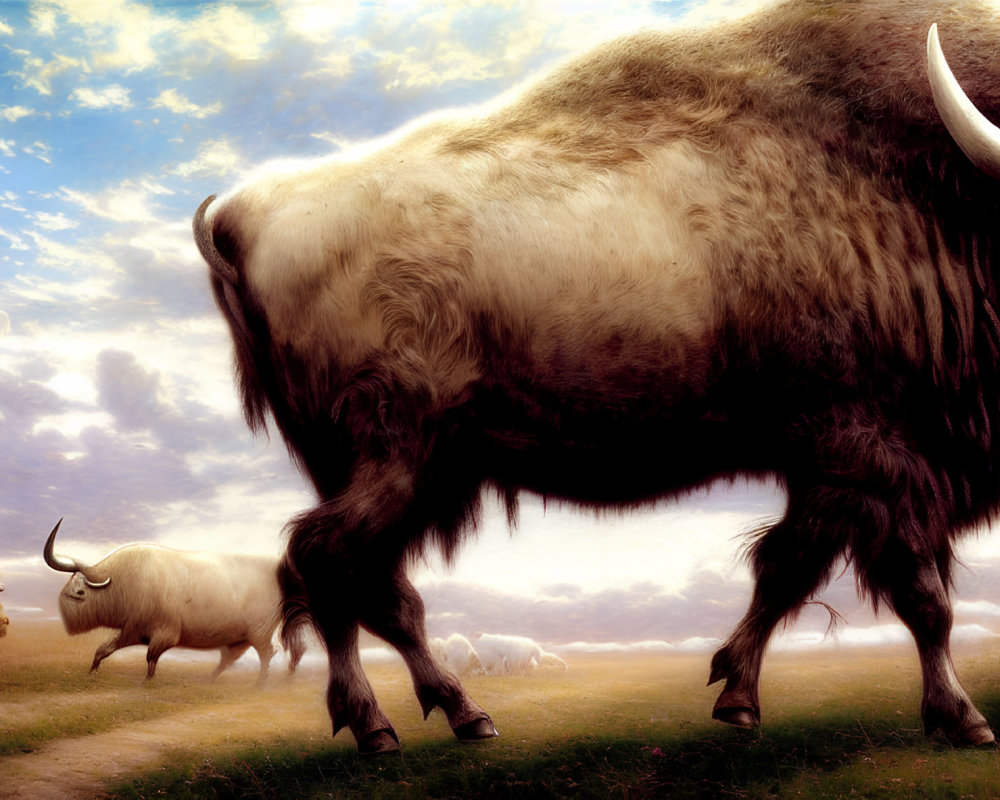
[
  {"x": 377, "y": 743},
  {"x": 476, "y": 731},
  {"x": 975, "y": 734},
  {"x": 737, "y": 708},
  {"x": 738, "y": 717}
]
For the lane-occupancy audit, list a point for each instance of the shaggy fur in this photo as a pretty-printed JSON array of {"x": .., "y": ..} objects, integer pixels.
[
  {"x": 167, "y": 598},
  {"x": 747, "y": 250}
]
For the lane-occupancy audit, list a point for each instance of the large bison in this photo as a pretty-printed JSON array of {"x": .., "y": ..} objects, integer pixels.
[
  {"x": 166, "y": 598},
  {"x": 747, "y": 250}
]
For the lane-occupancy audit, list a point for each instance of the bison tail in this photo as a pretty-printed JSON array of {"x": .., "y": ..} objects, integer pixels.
[{"x": 295, "y": 618}]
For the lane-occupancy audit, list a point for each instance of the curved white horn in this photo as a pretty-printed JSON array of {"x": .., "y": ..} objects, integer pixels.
[
  {"x": 63, "y": 564},
  {"x": 59, "y": 563},
  {"x": 977, "y": 136}
]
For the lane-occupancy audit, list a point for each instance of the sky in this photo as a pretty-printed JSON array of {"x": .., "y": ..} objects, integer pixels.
[{"x": 117, "y": 407}]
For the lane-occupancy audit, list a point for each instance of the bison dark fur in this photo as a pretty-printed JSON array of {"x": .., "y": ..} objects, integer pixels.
[{"x": 750, "y": 250}]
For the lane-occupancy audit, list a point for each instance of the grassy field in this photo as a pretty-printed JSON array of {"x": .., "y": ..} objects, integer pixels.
[{"x": 836, "y": 724}]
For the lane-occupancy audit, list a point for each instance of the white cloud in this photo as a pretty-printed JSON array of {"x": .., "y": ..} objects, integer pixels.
[
  {"x": 129, "y": 36},
  {"x": 191, "y": 356},
  {"x": 648, "y": 646},
  {"x": 708, "y": 11},
  {"x": 5, "y": 29},
  {"x": 43, "y": 19},
  {"x": 230, "y": 30},
  {"x": 319, "y": 20},
  {"x": 444, "y": 62},
  {"x": 234, "y": 510},
  {"x": 71, "y": 424},
  {"x": 35, "y": 288},
  {"x": 875, "y": 635},
  {"x": 174, "y": 101},
  {"x": 130, "y": 201},
  {"x": 7, "y": 148},
  {"x": 38, "y": 150},
  {"x": 217, "y": 157},
  {"x": 16, "y": 242},
  {"x": 340, "y": 142},
  {"x": 38, "y": 74},
  {"x": 4, "y": 323},
  {"x": 53, "y": 222},
  {"x": 114, "y": 96},
  {"x": 14, "y": 113},
  {"x": 977, "y": 608},
  {"x": 120, "y": 33},
  {"x": 10, "y": 201},
  {"x": 83, "y": 259},
  {"x": 74, "y": 385}
]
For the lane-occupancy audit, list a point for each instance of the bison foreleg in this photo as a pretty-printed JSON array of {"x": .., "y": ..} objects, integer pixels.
[
  {"x": 398, "y": 617},
  {"x": 116, "y": 642}
]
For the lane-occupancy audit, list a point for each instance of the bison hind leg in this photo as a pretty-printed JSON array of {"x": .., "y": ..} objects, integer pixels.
[
  {"x": 228, "y": 656},
  {"x": 265, "y": 652},
  {"x": 790, "y": 561},
  {"x": 159, "y": 643}
]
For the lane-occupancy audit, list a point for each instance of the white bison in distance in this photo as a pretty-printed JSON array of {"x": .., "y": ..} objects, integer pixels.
[
  {"x": 503, "y": 654},
  {"x": 165, "y": 598},
  {"x": 457, "y": 653},
  {"x": 751, "y": 250}
]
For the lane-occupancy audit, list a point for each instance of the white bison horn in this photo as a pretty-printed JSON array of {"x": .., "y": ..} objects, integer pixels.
[
  {"x": 63, "y": 564},
  {"x": 977, "y": 136}
]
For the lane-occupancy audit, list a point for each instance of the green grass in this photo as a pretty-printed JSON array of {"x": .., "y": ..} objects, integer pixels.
[
  {"x": 836, "y": 725},
  {"x": 638, "y": 728},
  {"x": 48, "y": 692},
  {"x": 835, "y": 760}
]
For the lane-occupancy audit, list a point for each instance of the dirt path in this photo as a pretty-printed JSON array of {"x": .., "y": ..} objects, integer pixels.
[{"x": 84, "y": 767}]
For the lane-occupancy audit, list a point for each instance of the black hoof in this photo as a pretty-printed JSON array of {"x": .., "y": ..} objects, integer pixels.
[
  {"x": 476, "y": 731},
  {"x": 379, "y": 743},
  {"x": 972, "y": 736},
  {"x": 738, "y": 717}
]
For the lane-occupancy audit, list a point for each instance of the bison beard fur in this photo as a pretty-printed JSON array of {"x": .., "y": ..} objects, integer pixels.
[{"x": 751, "y": 250}]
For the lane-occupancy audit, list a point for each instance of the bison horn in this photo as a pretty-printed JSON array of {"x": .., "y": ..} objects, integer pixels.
[
  {"x": 977, "y": 136},
  {"x": 63, "y": 564},
  {"x": 203, "y": 238}
]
